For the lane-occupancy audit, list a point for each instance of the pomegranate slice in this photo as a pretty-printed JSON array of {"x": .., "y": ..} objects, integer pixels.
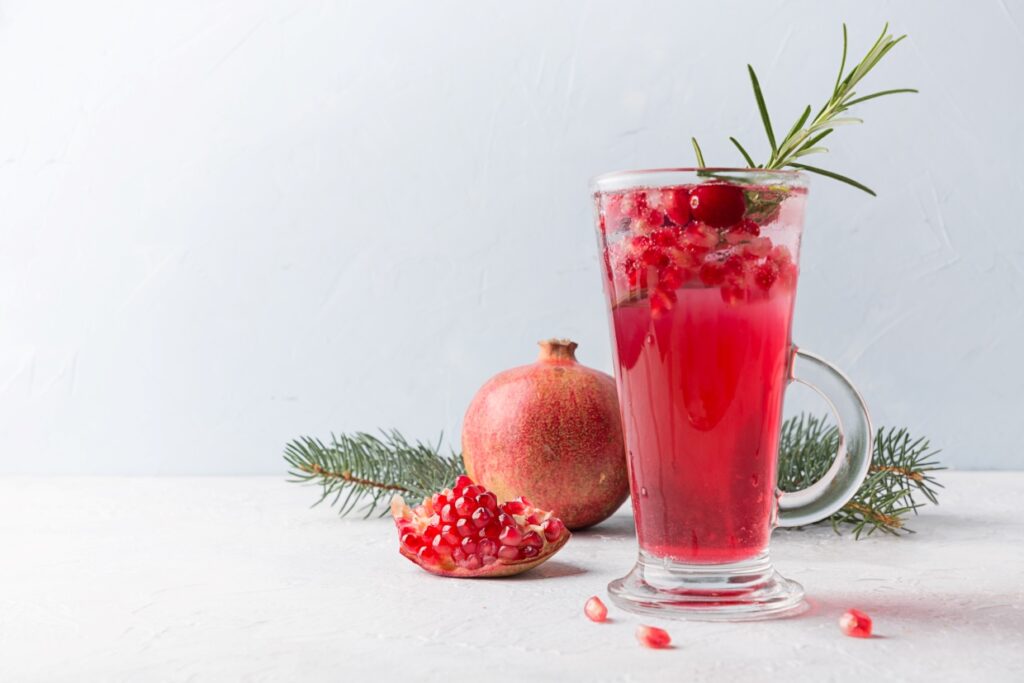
[{"x": 474, "y": 536}]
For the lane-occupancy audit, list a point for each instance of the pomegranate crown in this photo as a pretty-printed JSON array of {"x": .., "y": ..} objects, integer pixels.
[{"x": 557, "y": 350}]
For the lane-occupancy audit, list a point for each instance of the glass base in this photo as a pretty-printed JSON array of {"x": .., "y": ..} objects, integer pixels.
[{"x": 739, "y": 591}]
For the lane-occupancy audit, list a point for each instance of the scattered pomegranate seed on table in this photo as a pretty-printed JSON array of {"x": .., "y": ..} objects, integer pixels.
[
  {"x": 855, "y": 624},
  {"x": 595, "y": 610},
  {"x": 653, "y": 637}
]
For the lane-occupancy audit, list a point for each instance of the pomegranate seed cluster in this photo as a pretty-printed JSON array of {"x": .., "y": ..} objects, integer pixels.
[
  {"x": 660, "y": 240},
  {"x": 465, "y": 528}
]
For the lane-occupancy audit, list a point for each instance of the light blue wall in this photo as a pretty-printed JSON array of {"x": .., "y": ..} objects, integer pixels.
[{"x": 226, "y": 224}]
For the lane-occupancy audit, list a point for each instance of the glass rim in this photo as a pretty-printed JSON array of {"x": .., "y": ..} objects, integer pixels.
[{"x": 628, "y": 179}]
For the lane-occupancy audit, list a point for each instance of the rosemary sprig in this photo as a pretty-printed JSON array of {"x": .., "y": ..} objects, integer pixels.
[
  {"x": 805, "y": 134},
  {"x": 365, "y": 468}
]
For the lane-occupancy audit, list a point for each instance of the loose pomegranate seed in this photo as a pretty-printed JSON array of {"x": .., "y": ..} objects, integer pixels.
[
  {"x": 481, "y": 517},
  {"x": 511, "y": 536},
  {"x": 653, "y": 637},
  {"x": 717, "y": 204},
  {"x": 676, "y": 202},
  {"x": 855, "y": 624},
  {"x": 595, "y": 610}
]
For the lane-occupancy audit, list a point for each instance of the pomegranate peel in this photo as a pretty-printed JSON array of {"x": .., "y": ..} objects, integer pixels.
[{"x": 472, "y": 541}]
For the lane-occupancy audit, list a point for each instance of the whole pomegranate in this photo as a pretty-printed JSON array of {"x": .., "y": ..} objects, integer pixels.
[{"x": 550, "y": 431}]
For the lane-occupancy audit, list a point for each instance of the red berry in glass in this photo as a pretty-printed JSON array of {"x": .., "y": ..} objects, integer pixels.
[{"x": 718, "y": 204}]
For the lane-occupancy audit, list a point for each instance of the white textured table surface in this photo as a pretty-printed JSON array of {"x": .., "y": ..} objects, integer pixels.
[{"x": 221, "y": 579}]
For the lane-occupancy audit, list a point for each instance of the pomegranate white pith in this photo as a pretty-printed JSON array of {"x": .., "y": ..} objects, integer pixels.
[{"x": 464, "y": 532}]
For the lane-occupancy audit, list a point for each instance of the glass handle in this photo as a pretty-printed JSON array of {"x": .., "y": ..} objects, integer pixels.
[{"x": 845, "y": 476}]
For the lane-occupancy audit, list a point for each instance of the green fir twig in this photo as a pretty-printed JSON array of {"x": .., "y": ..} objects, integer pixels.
[
  {"x": 901, "y": 474},
  {"x": 363, "y": 467},
  {"x": 355, "y": 468}
]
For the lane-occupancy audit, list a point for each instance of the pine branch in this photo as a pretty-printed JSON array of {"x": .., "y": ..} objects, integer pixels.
[
  {"x": 901, "y": 472},
  {"x": 361, "y": 467}
]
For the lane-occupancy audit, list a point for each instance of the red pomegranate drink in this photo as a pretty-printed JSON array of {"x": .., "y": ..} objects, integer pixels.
[
  {"x": 701, "y": 368},
  {"x": 700, "y": 271}
]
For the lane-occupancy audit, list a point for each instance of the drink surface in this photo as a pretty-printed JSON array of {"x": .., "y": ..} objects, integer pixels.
[{"x": 701, "y": 295}]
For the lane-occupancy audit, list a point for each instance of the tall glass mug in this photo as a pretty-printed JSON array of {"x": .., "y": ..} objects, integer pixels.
[{"x": 700, "y": 272}]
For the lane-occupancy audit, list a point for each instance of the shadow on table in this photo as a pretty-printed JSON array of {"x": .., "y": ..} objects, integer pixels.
[
  {"x": 552, "y": 569},
  {"x": 613, "y": 528}
]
